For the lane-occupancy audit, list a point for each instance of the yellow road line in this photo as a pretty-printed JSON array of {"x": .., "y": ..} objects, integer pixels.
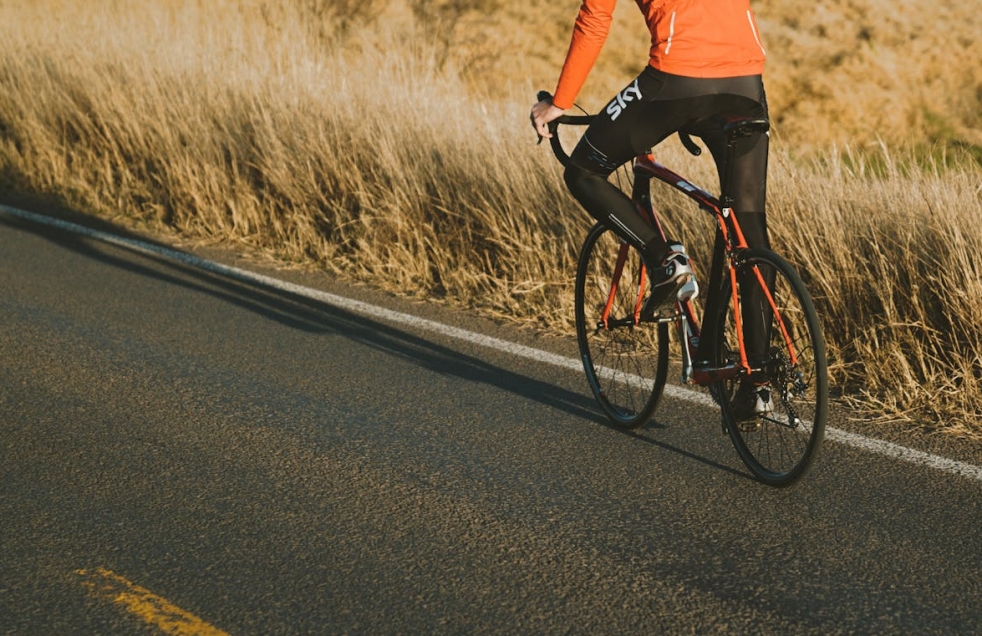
[{"x": 141, "y": 602}]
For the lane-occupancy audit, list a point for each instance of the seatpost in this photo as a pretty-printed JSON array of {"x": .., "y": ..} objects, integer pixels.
[{"x": 725, "y": 199}]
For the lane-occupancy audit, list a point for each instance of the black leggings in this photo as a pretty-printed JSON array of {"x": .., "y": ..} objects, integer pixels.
[{"x": 648, "y": 110}]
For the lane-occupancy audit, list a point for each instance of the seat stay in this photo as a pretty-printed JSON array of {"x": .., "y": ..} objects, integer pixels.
[{"x": 788, "y": 340}]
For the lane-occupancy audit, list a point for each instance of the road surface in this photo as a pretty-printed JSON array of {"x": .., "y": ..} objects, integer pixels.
[{"x": 185, "y": 448}]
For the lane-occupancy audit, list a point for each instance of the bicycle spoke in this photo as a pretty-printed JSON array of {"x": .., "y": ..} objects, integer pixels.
[
  {"x": 625, "y": 363},
  {"x": 778, "y": 446}
]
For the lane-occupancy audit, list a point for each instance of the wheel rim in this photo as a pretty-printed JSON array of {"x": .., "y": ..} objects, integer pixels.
[
  {"x": 625, "y": 363},
  {"x": 780, "y": 446}
]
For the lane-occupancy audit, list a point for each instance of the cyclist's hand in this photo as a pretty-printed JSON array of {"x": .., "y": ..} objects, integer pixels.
[{"x": 543, "y": 113}]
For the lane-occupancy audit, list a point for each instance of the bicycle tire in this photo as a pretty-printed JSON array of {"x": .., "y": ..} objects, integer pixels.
[
  {"x": 626, "y": 365},
  {"x": 781, "y": 447}
]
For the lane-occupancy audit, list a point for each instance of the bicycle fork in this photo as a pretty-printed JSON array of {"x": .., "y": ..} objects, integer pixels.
[{"x": 641, "y": 194}]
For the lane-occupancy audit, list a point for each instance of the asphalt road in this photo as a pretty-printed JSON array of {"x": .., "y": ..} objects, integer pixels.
[{"x": 182, "y": 445}]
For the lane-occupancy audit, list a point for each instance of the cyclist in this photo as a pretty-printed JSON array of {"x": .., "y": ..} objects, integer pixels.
[{"x": 706, "y": 59}]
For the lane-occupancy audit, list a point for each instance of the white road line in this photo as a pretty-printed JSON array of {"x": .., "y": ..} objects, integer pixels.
[{"x": 880, "y": 447}]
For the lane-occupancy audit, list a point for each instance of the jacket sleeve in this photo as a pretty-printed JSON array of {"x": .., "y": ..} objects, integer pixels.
[{"x": 589, "y": 34}]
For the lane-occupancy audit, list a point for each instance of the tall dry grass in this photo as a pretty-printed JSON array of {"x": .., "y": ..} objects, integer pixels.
[
  {"x": 299, "y": 132},
  {"x": 838, "y": 71},
  {"x": 281, "y": 140}
]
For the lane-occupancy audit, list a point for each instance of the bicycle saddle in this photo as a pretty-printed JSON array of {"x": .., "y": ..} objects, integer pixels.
[{"x": 744, "y": 126}]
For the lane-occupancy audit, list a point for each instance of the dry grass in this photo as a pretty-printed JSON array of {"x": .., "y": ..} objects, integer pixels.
[
  {"x": 339, "y": 135},
  {"x": 843, "y": 71}
]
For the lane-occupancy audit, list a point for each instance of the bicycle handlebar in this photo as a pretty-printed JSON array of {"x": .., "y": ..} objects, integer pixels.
[
  {"x": 584, "y": 120},
  {"x": 569, "y": 120}
]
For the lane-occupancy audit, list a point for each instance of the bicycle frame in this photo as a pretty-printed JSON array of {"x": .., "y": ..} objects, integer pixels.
[
  {"x": 646, "y": 168},
  {"x": 773, "y": 396}
]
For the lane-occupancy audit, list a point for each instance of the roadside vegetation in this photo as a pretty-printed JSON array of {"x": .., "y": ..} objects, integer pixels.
[{"x": 388, "y": 143}]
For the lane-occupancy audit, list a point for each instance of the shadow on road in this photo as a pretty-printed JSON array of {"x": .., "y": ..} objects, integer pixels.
[{"x": 314, "y": 316}]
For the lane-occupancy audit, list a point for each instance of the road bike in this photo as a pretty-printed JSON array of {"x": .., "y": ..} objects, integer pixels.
[{"x": 626, "y": 355}]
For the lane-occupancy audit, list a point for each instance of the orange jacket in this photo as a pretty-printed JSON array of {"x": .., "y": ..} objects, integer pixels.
[{"x": 695, "y": 38}]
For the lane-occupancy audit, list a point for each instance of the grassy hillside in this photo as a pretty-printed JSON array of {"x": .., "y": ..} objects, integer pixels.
[
  {"x": 388, "y": 142},
  {"x": 837, "y": 71}
]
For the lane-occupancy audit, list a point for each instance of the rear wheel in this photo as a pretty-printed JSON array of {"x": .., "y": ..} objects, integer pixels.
[
  {"x": 626, "y": 364},
  {"x": 789, "y": 385}
]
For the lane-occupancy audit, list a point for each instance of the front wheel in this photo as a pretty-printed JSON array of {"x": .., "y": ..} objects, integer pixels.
[
  {"x": 776, "y": 416},
  {"x": 626, "y": 364}
]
